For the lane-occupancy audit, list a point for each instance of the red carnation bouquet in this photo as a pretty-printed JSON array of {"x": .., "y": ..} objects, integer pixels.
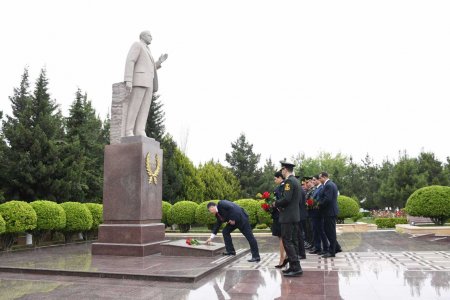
[
  {"x": 311, "y": 203},
  {"x": 192, "y": 242},
  {"x": 268, "y": 201}
]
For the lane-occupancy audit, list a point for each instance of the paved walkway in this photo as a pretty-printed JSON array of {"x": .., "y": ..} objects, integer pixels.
[{"x": 378, "y": 265}]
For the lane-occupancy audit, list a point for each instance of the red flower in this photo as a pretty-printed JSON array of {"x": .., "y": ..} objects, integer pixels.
[
  {"x": 265, "y": 206},
  {"x": 188, "y": 241},
  {"x": 310, "y": 202},
  {"x": 265, "y": 195}
]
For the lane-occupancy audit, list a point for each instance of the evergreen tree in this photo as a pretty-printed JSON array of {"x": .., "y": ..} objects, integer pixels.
[
  {"x": 244, "y": 165},
  {"x": 83, "y": 152},
  {"x": 106, "y": 128},
  {"x": 266, "y": 182},
  {"x": 432, "y": 169},
  {"x": 34, "y": 134},
  {"x": 155, "y": 123},
  {"x": 180, "y": 178},
  {"x": 219, "y": 182}
]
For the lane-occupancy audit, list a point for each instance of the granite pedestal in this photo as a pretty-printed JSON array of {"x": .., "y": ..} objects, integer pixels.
[{"x": 132, "y": 195}]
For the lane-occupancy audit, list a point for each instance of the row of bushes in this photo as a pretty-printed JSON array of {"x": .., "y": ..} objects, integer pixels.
[
  {"x": 41, "y": 217},
  {"x": 187, "y": 213},
  {"x": 389, "y": 222}
]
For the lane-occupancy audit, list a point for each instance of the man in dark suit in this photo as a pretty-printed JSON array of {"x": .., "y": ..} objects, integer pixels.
[
  {"x": 329, "y": 209},
  {"x": 288, "y": 204},
  {"x": 235, "y": 217}
]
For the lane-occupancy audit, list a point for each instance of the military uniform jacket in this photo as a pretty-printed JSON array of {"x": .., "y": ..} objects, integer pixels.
[{"x": 289, "y": 201}]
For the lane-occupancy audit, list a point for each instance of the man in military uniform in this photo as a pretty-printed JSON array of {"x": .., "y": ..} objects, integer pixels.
[{"x": 288, "y": 204}]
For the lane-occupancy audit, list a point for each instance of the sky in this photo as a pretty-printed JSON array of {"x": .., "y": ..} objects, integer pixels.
[{"x": 351, "y": 77}]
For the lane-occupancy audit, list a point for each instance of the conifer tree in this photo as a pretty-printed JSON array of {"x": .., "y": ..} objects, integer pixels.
[
  {"x": 155, "y": 123},
  {"x": 34, "y": 134}
]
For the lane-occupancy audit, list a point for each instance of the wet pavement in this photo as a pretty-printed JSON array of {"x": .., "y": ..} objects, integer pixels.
[{"x": 374, "y": 265}]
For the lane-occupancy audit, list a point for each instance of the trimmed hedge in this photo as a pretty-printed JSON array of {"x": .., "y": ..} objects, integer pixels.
[
  {"x": 166, "y": 207},
  {"x": 2, "y": 225},
  {"x": 203, "y": 216},
  {"x": 97, "y": 214},
  {"x": 251, "y": 206},
  {"x": 50, "y": 215},
  {"x": 78, "y": 217},
  {"x": 183, "y": 214},
  {"x": 19, "y": 216},
  {"x": 389, "y": 222},
  {"x": 348, "y": 208},
  {"x": 263, "y": 216},
  {"x": 432, "y": 202}
]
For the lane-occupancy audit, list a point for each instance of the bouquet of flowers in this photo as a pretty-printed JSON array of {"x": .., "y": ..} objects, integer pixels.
[
  {"x": 311, "y": 203},
  {"x": 192, "y": 242},
  {"x": 268, "y": 201}
]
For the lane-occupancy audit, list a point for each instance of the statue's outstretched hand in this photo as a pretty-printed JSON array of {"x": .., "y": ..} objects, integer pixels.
[{"x": 163, "y": 57}]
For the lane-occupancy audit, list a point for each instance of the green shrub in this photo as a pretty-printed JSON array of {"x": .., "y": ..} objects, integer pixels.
[
  {"x": 432, "y": 202},
  {"x": 261, "y": 226},
  {"x": 263, "y": 216},
  {"x": 183, "y": 214},
  {"x": 357, "y": 217},
  {"x": 203, "y": 216},
  {"x": 19, "y": 217},
  {"x": 96, "y": 210},
  {"x": 251, "y": 206},
  {"x": 2, "y": 225},
  {"x": 389, "y": 222},
  {"x": 50, "y": 217},
  {"x": 166, "y": 207},
  {"x": 78, "y": 218},
  {"x": 348, "y": 208}
]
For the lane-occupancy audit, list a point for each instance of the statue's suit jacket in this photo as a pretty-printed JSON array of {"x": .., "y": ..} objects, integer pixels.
[{"x": 140, "y": 68}]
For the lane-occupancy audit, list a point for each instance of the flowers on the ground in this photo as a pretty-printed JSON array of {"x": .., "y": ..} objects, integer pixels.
[{"x": 192, "y": 242}]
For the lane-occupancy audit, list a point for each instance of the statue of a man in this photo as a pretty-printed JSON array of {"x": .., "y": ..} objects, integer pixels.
[{"x": 141, "y": 81}]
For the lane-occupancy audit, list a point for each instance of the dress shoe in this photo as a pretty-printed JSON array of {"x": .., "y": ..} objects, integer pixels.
[
  {"x": 326, "y": 255},
  {"x": 229, "y": 253},
  {"x": 315, "y": 252},
  {"x": 338, "y": 250},
  {"x": 254, "y": 259},
  {"x": 287, "y": 271},
  {"x": 285, "y": 261},
  {"x": 293, "y": 273},
  {"x": 302, "y": 257},
  {"x": 323, "y": 252}
]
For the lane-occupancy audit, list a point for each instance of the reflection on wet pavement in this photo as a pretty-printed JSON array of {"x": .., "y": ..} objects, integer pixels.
[{"x": 373, "y": 266}]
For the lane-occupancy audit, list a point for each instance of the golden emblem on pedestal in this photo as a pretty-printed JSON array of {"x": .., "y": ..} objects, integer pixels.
[{"x": 152, "y": 175}]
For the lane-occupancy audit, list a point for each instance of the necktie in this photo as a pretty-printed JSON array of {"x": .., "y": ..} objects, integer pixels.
[{"x": 220, "y": 217}]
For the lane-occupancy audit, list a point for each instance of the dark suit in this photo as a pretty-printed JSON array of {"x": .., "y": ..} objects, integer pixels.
[
  {"x": 289, "y": 218},
  {"x": 320, "y": 238},
  {"x": 329, "y": 210},
  {"x": 226, "y": 211},
  {"x": 301, "y": 234}
]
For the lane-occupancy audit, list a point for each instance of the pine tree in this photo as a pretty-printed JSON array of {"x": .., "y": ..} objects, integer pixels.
[
  {"x": 155, "y": 123},
  {"x": 244, "y": 164},
  {"x": 34, "y": 134},
  {"x": 83, "y": 152},
  {"x": 217, "y": 182},
  {"x": 266, "y": 182}
]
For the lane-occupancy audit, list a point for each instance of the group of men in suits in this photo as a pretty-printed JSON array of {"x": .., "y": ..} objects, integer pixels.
[{"x": 292, "y": 207}]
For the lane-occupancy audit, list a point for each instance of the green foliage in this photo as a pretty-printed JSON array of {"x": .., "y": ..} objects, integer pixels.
[
  {"x": 203, "y": 216},
  {"x": 348, "y": 207},
  {"x": 219, "y": 182},
  {"x": 50, "y": 215},
  {"x": 244, "y": 165},
  {"x": 2, "y": 225},
  {"x": 261, "y": 226},
  {"x": 155, "y": 122},
  {"x": 166, "y": 208},
  {"x": 251, "y": 207},
  {"x": 78, "y": 217},
  {"x": 183, "y": 212},
  {"x": 389, "y": 222},
  {"x": 97, "y": 214},
  {"x": 263, "y": 216},
  {"x": 19, "y": 216},
  {"x": 432, "y": 202},
  {"x": 265, "y": 182},
  {"x": 180, "y": 178},
  {"x": 357, "y": 217}
]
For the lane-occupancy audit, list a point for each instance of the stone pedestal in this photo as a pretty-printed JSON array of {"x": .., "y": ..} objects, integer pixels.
[{"x": 132, "y": 195}]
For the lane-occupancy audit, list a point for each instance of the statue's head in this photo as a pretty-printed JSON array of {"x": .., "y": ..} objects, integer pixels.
[{"x": 146, "y": 37}]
